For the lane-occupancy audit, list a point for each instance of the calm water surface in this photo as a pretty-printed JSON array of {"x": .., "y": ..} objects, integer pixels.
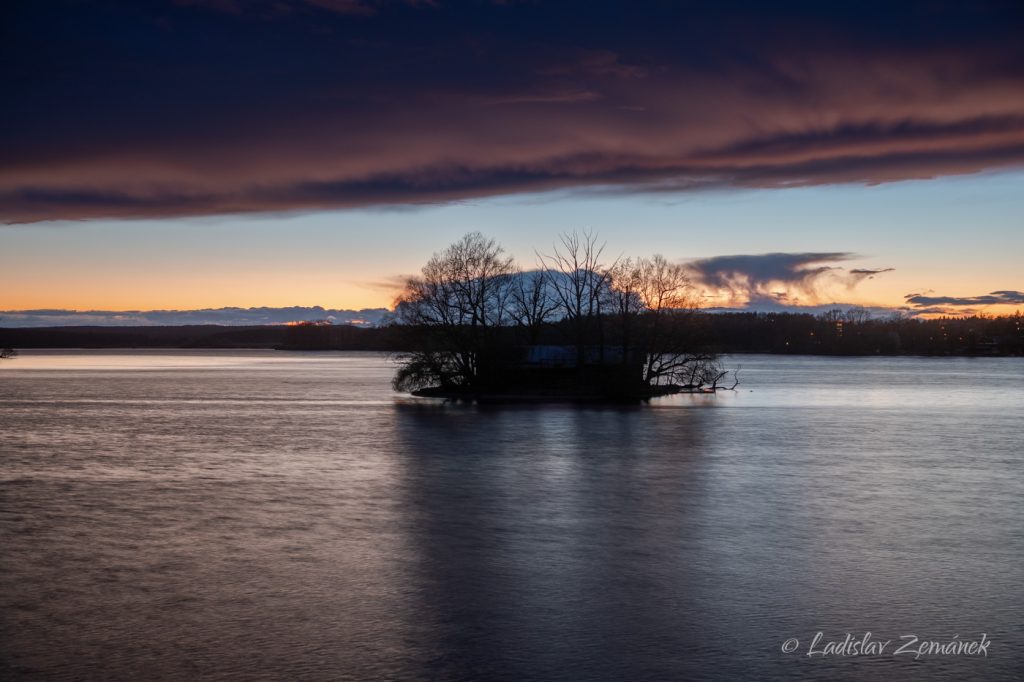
[{"x": 258, "y": 515}]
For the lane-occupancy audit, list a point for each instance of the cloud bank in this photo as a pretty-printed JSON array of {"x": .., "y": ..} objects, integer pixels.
[
  {"x": 221, "y": 316},
  {"x": 154, "y": 109},
  {"x": 926, "y": 304},
  {"x": 994, "y": 298},
  {"x": 775, "y": 281}
]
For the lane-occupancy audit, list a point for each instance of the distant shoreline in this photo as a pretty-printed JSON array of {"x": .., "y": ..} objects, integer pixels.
[{"x": 731, "y": 334}]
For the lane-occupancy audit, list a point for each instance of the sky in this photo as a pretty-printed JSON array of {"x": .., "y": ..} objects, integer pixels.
[{"x": 195, "y": 155}]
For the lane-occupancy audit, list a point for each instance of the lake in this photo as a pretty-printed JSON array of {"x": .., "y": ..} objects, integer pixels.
[{"x": 263, "y": 515}]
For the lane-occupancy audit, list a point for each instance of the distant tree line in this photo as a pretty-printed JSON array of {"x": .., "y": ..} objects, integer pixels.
[
  {"x": 855, "y": 332},
  {"x": 838, "y": 332},
  {"x": 178, "y": 336},
  {"x": 794, "y": 333}
]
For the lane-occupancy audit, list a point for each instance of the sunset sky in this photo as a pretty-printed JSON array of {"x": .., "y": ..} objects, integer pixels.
[{"x": 245, "y": 153}]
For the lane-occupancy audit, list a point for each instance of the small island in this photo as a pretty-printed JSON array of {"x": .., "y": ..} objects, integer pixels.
[
  {"x": 574, "y": 329},
  {"x": 543, "y": 373}
]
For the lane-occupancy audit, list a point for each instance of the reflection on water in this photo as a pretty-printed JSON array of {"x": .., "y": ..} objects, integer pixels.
[{"x": 259, "y": 515}]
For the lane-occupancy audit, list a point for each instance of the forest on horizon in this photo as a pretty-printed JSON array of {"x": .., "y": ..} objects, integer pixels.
[{"x": 836, "y": 333}]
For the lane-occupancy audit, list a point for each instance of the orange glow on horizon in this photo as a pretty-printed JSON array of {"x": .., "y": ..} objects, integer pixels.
[
  {"x": 170, "y": 293},
  {"x": 235, "y": 292}
]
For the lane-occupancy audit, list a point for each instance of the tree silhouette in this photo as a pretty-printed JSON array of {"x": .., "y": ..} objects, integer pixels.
[
  {"x": 473, "y": 315},
  {"x": 461, "y": 296}
]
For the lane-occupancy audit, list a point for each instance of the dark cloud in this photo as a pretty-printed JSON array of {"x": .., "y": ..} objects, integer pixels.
[
  {"x": 270, "y": 9},
  {"x": 859, "y": 274},
  {"x": 865, "y": 272},
  {"x": 148, "y": 108},
  {"x": 765, "y": 269},
  {"x": 223, "y": 316},
  {"x": 994, "y": 298},
  {"x": 771, "y": 280},
  {"x": 932, "y": 311}
]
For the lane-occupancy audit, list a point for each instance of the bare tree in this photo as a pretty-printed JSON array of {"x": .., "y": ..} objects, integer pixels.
[
  {"x": 858, "y": 315},
  {"x": 7, "y": 353},
  {"x": 654, "y": 307},
  {"x": 461, "y": 296},
  {"x": 832, "y": 316},
  {"x": 532, "y": 302},
  {"x": 579, "y": 281},
  {"x": 670, "y": 303},
  {"x": 625, "y": 300}
]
